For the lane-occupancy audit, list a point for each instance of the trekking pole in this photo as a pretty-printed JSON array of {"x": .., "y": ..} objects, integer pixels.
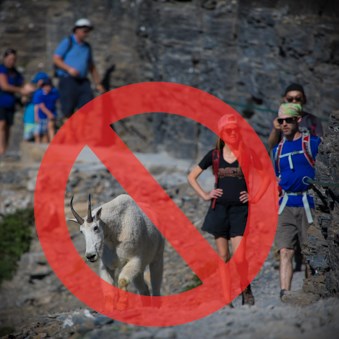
[
  {"x": 308, "y": 181},
  {"x": 311, "y": 183}
]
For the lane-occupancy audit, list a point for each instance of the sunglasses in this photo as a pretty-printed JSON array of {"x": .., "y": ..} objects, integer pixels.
[
  {"x": 291, "y": 99},
  {"x": 288, "y": 120},
  {"x": 230, "y": 130}
]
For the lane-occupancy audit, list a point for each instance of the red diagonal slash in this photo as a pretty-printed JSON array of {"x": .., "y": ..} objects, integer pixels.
[{"x": 90, "y": 126}]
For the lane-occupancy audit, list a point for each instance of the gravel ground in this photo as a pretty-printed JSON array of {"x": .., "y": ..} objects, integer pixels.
[{"x": 35, "y": 304}]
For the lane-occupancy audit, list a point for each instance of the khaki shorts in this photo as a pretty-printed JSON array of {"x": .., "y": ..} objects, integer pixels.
[{"x": 292, "y": 225}]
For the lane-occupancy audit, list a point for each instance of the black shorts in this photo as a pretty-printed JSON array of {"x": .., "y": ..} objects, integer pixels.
[
  {"x": 226, "y": 220},
  {"x": 7, "y": 114}
]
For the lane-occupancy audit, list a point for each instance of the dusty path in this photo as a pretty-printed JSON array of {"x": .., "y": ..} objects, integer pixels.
[{"x": 35, "y": 304}]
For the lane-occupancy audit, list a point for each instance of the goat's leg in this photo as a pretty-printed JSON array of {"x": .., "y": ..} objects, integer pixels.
[
  {"x": 141, "y": 285},
  {"x": 156, "y": 272},
  {"x": 127, "y": 275},
  {"x": 108, "y": 276}
]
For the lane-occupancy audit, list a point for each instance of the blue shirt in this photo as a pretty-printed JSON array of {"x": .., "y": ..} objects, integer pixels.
[
  {"x": 29, "y": 114},
  {"x": 14, "y": 78},
  {"x": 79, "y": 56},
  {"x": 49, "y": 100},
  {"x": 291, "y": 180}
]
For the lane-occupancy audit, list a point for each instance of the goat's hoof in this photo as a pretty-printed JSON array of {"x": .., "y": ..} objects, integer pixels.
[{"x": 123, "y": 283}]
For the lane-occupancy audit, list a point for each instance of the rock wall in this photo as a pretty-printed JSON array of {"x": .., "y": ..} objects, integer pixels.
[
  {"x": 244, "y": 52},
  {"x": 322, "y": 250}
]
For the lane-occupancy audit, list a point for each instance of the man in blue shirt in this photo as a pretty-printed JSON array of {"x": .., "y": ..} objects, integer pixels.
[
  {"x": 73, "y": 58},
  {"x": 294, "y": 162}
]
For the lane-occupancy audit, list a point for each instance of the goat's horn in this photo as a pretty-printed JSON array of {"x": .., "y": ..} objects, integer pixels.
[
  {"x": 76, "y": 215},
  {"x": 89, "y": 214}
]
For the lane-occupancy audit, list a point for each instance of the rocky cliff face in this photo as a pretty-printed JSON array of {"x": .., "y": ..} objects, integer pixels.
[
  {"x": 322, "y": 250},
  {"x": 244, "y": 52}
]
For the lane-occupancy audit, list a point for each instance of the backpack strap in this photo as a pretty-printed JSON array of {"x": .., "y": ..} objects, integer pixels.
[
  {"x": 306, "y": 150},
  {"x": 306, "y": 145},
  {"x": 278, "y": 154},
  {"x": 69, "y": 47},
  {"x": 215, "y": 163}
]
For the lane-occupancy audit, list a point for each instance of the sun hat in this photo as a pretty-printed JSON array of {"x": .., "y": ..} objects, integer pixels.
[{"x": 83, "y": 23}]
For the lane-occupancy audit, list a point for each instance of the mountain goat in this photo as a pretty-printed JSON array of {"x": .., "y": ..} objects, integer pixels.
[{"x": 124, "y": 239}]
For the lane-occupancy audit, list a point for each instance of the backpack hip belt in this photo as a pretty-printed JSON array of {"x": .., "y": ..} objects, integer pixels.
[{"x": 304, "y": 200}]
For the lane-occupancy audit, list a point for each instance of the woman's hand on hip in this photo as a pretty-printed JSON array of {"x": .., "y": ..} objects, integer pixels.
[
  {"x": 243, "y": 197},
  {"x": 216, "y": 193}
]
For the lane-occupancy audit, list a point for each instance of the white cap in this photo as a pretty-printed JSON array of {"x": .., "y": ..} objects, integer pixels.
[{"x": 83, "y": 23}]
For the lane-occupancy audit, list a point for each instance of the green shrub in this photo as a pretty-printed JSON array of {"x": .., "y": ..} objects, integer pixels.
[{"x": 15, "y": 239}]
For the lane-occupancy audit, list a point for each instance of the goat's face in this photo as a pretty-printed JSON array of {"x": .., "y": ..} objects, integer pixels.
[
  {"x": 94, "y": 237},
  {"x": 92, "y": 229}
]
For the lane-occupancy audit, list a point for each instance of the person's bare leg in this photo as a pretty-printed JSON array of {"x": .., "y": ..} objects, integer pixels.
[
  {"x": 223, "y": 252},
  {"x": 51, "y": 130},
  {"x": 286, "y": 268},
  {"x": 222, "y": 248},
  {"x": 247, "y": 296},
  {"x": 3, "y": 144},
  {"x": 44, "y": 138}
]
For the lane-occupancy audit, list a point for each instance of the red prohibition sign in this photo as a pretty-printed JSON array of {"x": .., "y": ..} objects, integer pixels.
[{"x": 90, "y": 126}]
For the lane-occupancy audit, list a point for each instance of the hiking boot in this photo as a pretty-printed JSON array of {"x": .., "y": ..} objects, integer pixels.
[
  {"x": 247, "y": 296},
  {"x": 282, "y": 294}
]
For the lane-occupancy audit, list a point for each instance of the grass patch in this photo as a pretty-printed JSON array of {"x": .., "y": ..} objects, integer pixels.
[
  {"x": 15, "y": 239},
  {"x": 193, "y": 284},
  {"x": 6, "y": 330}
]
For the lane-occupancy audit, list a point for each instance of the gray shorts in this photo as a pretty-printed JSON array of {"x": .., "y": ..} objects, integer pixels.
[{"x": 292, "y": 225}]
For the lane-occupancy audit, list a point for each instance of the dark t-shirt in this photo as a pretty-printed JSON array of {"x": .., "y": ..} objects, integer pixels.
[
  {"x": 231, "y": 179},
  {"x": 14, "y": 78}
]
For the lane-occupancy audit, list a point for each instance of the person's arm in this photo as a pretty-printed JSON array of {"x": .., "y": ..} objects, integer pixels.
[
  {"x": 96, "y": 79},
  {"x": 7, "y": 87},
  {"x": 43, "y": 107},
  {"x": 192, "y": 180},
  {"x": 58, "y": 58},
  {"x": 59, "y": 62},
  {"x": 275, "y": 135},
  {"x": 36, "y": 115}
]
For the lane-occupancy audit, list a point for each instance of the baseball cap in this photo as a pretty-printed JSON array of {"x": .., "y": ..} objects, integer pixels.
[
  {"x": 227, "y": 121},
  {"x": 83, "y": 23},
  {"x": 39, "y": 76}
]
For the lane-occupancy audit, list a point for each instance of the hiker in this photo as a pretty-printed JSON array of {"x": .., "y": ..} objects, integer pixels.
[
  {"x": 294, "y": 163},
  {"x": 295, "y": 93},
  {"x": 44, "y": 101},
  {"x": 227, "y": 216},
  {"x": 29, "y": 118},
  {"x": 11, "y": 83},
  {"x": 73, "y": 59}
]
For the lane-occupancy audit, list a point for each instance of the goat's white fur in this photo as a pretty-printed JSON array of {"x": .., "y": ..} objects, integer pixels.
[{"x": 123, "y": 237}]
